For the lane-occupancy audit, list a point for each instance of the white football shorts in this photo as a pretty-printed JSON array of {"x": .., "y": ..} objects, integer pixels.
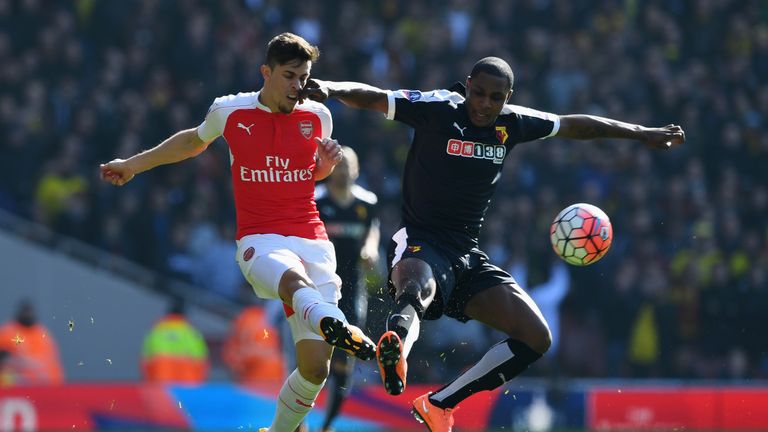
[{"x": 264, "y": 258}]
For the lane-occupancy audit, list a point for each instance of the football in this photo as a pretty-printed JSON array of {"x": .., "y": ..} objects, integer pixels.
[{"x": 581, "y": 234}]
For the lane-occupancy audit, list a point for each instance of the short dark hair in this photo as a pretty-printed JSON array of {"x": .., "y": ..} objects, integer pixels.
[
  {"x": 494, "y": 66},
  {"x": 288, "y": 48}
]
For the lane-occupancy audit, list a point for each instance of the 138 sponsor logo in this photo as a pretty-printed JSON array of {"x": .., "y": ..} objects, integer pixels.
[{"x": 475, "y": 150}]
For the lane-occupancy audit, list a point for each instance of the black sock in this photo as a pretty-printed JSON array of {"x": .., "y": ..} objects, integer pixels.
[
  {"x": 339, "y": 391},
  {"x": 500, "y": 364},
  {"x": 405, "y": 314}
]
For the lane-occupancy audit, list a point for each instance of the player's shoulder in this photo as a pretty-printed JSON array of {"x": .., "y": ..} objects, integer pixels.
[
  {"x": 243, "y": 99},
  {"x": 433, "y": 96},
  {"x": 512, "y": 110},
  {"x": 314, "y": 107},
  {"x": 364, "y": 195}
]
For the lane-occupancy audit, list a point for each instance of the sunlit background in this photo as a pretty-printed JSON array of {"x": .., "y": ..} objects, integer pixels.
[{"x": 666, "y": 331}]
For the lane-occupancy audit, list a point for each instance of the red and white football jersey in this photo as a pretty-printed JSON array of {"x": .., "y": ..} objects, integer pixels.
[{"x": 272, "y": 158}]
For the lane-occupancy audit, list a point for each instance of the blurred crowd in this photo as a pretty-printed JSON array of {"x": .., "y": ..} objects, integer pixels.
[{"x": 680, "y": 294}]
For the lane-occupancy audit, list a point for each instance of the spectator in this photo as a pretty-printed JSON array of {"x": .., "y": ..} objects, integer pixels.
[
  {"x": 174, "y": 351},
  {"x": 59, "y": 184},
  {"x": 252, "y": 350},
  {"x": 32, "y": 353}
]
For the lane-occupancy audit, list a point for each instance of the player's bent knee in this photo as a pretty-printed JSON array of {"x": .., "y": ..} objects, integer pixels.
[
  {"x": 313, "y": 360},
  {"x": 545, "y": 341},
  {"x": 421, "y": 291},
  {"x": 533, "y": 332},
  {"x": 413, "y": 276},
  {"x": 414, "y": 299},
  {"x": 539, "y": 337},
  {"x": 314, "y": 373}
]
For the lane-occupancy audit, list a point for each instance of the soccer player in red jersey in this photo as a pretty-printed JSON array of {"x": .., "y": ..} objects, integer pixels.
[
  {"x": 461, "y": 139},
  {"x": 278, "y": 149}
]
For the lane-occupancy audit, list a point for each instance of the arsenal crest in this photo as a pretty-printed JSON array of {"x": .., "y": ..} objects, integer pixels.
[
  {"x": 248, "y": 254},
  {"x": 305, "y": 127}
]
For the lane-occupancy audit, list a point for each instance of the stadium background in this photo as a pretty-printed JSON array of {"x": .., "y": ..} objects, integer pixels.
[{"x": 681, "y": 294}]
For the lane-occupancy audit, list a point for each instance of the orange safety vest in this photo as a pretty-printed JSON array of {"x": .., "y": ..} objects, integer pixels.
[
  {"x": 34, "y": 355},
  {"x": 252, "y": 350}
]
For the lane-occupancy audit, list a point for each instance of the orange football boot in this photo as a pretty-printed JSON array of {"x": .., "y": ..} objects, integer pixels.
[
  {"x": 392, "y": 363},
  {"x": 437, "y": 419}
]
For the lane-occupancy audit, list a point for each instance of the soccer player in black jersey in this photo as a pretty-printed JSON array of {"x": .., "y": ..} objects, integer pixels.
[
  {"x": 349, "y": 214},
  {"x": 461, "y": 137}
]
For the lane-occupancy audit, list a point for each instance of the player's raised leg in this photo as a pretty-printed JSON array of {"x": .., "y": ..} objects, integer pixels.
[
  {"x": 286, "y": 269},
  {"x": 506, "y": 308},
  {"x": 325, "y": 318},
  {"x": 415, "y": 289},
  {"x": 282, "y": 271},
  {"x": 270, "y": 274}
]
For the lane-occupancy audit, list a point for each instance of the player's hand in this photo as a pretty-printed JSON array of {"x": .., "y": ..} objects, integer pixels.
[
  {"x": 314, "y": 89},
  {"x": 664, "y": 137},
  {"x": 329, "y": 150},
  {"x": 329, "y": 154},
  {"x": 118, "y": 172}
]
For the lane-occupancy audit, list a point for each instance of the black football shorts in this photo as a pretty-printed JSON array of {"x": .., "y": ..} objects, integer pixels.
[{"x": 460, "y": 275}]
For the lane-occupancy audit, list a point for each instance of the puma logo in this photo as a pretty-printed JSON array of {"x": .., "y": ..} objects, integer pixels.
[
  {"x": 246, "y": 128},
  {"x": 461, "y": 129}
]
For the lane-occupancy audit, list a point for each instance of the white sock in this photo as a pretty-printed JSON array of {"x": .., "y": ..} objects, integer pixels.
[
  {"x": 310, "y": 306},
  {"x": 296, "y": 398}
]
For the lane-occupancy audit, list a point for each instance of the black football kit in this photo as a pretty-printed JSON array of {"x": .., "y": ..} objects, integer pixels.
[{"x": 451, "y": 173}]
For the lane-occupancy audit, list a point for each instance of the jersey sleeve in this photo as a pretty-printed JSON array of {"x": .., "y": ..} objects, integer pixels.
[
  {"x": 418, "y": 109},
  {"x": 534, "y": 124},
  {"x": 326, "y": 121},
  {"x": 213, "y": 125}
]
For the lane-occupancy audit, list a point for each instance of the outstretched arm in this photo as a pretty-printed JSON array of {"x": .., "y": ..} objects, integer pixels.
[
  {"x": 182, "y": 145},
  {"x": 352, "y": 94},
  {"x": 580, "y": 126}
]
